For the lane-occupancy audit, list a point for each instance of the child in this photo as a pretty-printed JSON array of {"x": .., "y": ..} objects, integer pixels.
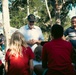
[
  {"x": 19, "y": 57},
  {"x": 56, "y": 54}
]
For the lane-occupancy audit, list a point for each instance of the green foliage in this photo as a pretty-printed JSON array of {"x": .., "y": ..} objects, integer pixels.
[
  {"x": 18, "y": 13},
  {"x": 67, "y": 22},
  {"x": 17, "y": 19},
  {"x": 0, "y": 6},
  {"x": 17, "y": 3}
]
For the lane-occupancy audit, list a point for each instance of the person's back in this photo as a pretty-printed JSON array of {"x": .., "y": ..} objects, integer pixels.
[
  {"x": 56, "y": 54},
  {"x": 19, "y": 56},
  {"x": 59, "y": 56}
]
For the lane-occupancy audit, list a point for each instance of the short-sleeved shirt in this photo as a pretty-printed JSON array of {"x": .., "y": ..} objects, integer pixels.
[
  {"x": 57, "y": 54},
  {"x": 71, "y": 32},
  {"x": 19, "y": 65},
  {"x": 34, "y": 33}
]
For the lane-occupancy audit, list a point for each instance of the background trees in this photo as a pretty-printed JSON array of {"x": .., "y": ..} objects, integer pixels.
[{"x": 58, "y": 9}]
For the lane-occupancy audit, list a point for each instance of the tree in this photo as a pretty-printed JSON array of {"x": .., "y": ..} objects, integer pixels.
[
  {"x": 48, "y": 12},
  {"x": 6, "y": 22},
  {"x": 58, "y": 9},
  {"x": 61, "y": 8}
]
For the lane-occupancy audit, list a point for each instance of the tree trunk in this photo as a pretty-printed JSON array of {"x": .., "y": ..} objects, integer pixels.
[
  {"x": 27, "y": 7},
  {"x": 6, "y": 22},
  {"x": 48, "y": 12}
]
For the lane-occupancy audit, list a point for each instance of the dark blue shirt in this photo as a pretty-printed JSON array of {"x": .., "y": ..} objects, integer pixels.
[{"x": 71, "y": 32}]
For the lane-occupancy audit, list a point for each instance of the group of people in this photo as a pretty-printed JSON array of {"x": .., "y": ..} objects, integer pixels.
[
  {"x": 20, "y": 55},
  {"x": 56, "y": 54}
]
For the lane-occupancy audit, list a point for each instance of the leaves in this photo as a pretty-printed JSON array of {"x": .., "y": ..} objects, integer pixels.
[{"x": 18, "y": 12}]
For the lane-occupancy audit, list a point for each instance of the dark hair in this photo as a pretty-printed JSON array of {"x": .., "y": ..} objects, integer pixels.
[
  {"x": 57, "y": 31},
  {"x": 73, "y": 17}
]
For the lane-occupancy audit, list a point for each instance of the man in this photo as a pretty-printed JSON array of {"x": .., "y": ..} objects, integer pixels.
[
  {"x": 71, "y": 33},
  {"x": 56, "y": 54},
  {"x": 32, "y": 33}
]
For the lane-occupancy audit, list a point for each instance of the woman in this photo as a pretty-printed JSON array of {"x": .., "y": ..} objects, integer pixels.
[{"x": 19, "y": 57}]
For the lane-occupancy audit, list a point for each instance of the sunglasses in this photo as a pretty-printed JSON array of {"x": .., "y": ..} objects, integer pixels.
[{"x": 31, "y": 21}]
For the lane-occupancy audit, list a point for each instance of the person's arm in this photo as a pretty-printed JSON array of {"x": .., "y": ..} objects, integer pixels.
[
  {"x": 31, "y": 57},
  {"x": 37, "y": 41},
  {"x": 63, "y": 37},
  {"x": 44, "y": 57},
  {"x": 6, "y": 60},
  {"x": 6, "y": 66},
  {"x": 66, "y": 34},
  {"x": 31, "y": 66},
  {"x": 32, "y": 42},
  {"x": 44, "y": 64}
]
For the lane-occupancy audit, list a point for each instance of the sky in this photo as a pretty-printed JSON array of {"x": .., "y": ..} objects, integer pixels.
[{"x": 72, "y": 12}]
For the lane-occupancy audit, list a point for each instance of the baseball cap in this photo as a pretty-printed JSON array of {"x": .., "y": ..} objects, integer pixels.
[{"x": 31, "y": 17}]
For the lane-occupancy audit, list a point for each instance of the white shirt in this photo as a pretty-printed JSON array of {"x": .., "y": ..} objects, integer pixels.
[{"x": 30, "y": 34}]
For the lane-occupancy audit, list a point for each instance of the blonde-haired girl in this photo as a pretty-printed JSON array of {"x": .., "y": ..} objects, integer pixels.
[{"x": 19, "y": 57}]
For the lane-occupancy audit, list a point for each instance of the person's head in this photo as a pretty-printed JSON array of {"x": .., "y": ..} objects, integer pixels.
[
  {"x": 73, "y": 21},
  {"x": 58, "y": 21},
  {"x": 31, "y": 19},
  {"x": 16, "y": 42},
  {"x": 57, "y": 31}
]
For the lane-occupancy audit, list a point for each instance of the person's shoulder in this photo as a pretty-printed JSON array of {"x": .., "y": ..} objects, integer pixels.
[
  {"x": 67, "y": 42},
  {"x": 8, "y": 50},
  {"x": 37, "y": 27},
  {"x": 25, "y": 26},
  {"x": 69, "y": 28},
  {"x": 47, "y": 43},
  {"x": 26, "y": 48}
]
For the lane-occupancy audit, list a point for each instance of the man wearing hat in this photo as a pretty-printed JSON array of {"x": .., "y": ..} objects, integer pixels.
[{"x": 33, "y": 34}]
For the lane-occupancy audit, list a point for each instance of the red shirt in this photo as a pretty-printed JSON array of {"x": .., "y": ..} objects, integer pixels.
[
  {"x": 57, "y": 54},
  {"x": 0, "y": 62},
  {"x": 19, "y": 65}
]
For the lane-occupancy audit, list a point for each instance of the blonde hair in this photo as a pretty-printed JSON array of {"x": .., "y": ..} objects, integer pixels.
[{"x": 16, "y": 42}]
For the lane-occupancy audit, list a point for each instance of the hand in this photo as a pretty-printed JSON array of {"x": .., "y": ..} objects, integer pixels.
[
  {"x": 31, "y": 42},
  {"x": 36, "y": 41}
]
